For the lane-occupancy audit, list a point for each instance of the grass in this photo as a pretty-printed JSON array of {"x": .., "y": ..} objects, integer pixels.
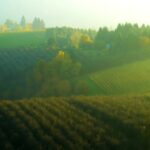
[
  {"x": 22, "y": 39},
  {"x": 76, "y": 123},
  {"x": 126, "y": 79}
]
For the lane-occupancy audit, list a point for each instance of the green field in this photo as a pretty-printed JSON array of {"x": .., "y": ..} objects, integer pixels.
[
  {"x": 76, "y": 123},
  {"x": 125, "y": 79},
  {"x": 22, "y": 39}
]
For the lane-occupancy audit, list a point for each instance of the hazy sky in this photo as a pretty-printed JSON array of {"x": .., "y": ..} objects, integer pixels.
[{"x": 78, "y": 13}]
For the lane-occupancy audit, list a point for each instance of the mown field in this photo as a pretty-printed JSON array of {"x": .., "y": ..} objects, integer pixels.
[
  {"x": 128, "y": 79},
  {"x": 76, "y": 123},
  {"x": 22, "y": 39}
]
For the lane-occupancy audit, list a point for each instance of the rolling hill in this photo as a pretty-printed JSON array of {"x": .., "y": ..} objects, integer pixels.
[
  {"x": 115, "y": 119},
  {"x": 75, "y": 123},
  {"x": 127, "y": 79}
]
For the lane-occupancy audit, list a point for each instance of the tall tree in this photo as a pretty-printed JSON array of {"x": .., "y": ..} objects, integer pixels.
[
  {"x": 23, "y": 22},
  {"x": 10, "y": 24},
  {"x": 38, "y": 24}
]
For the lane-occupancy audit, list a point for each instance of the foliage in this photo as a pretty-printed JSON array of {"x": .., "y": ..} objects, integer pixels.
[
  {"x": 38, "y": 24},
  {"x": 68, "y": 38},
  {"x": 53, "y": 77},
  {"x": 23, "y": 22},
  {"x": 12, "y": 26}
]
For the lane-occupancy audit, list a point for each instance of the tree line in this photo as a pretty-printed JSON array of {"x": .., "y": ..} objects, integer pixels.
[
  {"x": 23, "y": 26},
  {"x": 125, "y": 37}
]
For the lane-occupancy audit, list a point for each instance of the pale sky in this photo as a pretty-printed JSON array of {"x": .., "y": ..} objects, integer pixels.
[{"x": 78, "y": 13}]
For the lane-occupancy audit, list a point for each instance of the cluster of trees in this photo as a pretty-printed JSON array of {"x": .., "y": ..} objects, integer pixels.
[
  {"x": 23, "y": 26},
  {"x": 125, "y": 37},
  {"x": 57, "y": 77},
  {"x": 70, "y": 38}
]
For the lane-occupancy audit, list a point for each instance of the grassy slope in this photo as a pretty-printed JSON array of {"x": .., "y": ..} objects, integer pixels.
[
  {"x": 22, "y": 50},
  {"x": 76, "y": 123},
  {"x": 16, "y": 40},
  {"x": 126, "y": 79},
  {"x": 19, "y": 52}
]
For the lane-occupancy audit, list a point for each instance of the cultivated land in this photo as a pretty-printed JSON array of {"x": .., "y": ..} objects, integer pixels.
[
  {"x": 76, "y": 123},
  {"x": 128, "y": 79},
  {"x": 74, "y": 89}
]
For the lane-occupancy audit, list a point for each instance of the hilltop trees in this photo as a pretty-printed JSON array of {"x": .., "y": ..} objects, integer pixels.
[
  {"x": 23, "y": 22},
  {"x": 103, "y": 38},
  {"x": 125, "y": 37},
  {"x": 4, "y": 28},
  {"x": 86, "y": 42},
  {"x": 38, "y": 24},
  {"x": 69, "y": 38},
  {"x": 24, "y": 26},
  {"x": 11, "y": 25},
  {"x": 75, "y": 39},
  {"x": 59, "y": 38}
]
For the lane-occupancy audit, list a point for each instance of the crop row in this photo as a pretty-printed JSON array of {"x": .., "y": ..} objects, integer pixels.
[{"x": 75, "y": 123}]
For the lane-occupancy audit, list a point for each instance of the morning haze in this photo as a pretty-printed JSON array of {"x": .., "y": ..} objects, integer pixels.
[{"x": 77, "y": 13}]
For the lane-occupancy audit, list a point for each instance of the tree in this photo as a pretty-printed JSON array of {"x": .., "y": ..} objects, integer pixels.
[
  {"x": 81, "y": 87},
  {"x": 28, "y": 27},
  {"x": 53, "y": 77},
  {"x": 23, "y": 22},
  {"x": 63, "y": 88},
  {"x": 10, "y": 24},
  {"x": 38, "y": 24},
  {"x": 86, "y": 42},
  {"x": 4, "y": 28},
  {"x": 103, "y": 38},
  {"x": 75, "y": 39}
]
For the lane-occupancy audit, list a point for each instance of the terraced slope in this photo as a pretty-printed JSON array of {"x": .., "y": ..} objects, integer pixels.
[
  {"x": 133, "y": 78},
  {"x": 76, "y": 123}
]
